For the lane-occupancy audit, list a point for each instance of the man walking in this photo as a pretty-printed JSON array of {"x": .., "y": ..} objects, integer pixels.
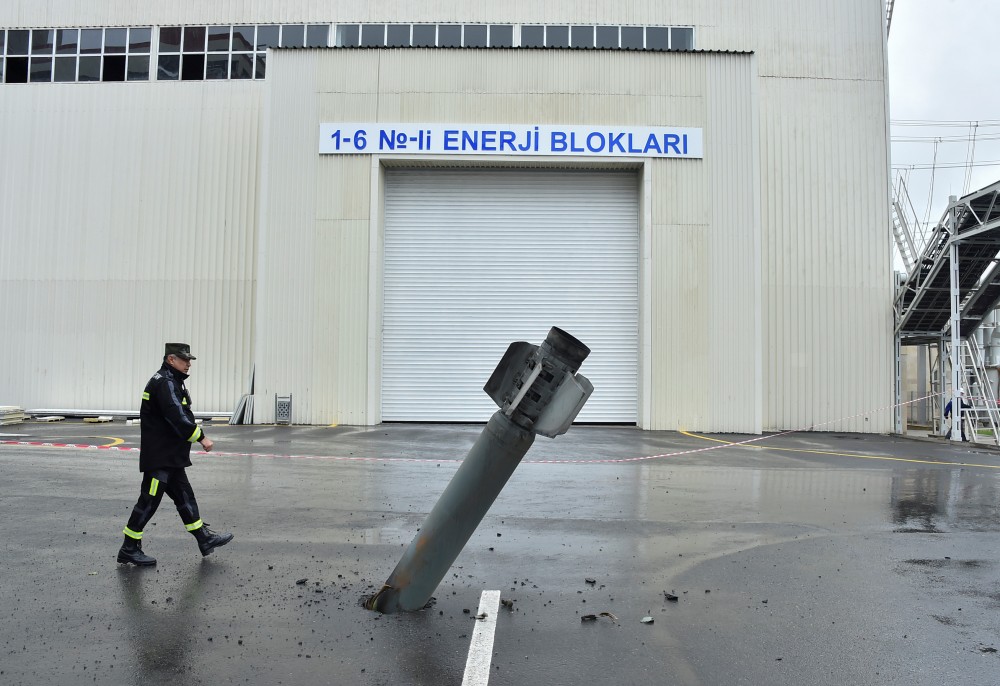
[{"x": 168, "y": 431}]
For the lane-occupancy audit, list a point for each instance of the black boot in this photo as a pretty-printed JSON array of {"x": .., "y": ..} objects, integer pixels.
[
  {"x": 131, "y": 551},
  {"x": 208, "y": 540}
]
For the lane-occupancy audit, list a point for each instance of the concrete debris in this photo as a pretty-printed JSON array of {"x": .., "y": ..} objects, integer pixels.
[
  {"x": 301, "y": 581},
  {"x": 646, "y": 620},
  {"x": 11, "y": 414},
  {"x": 593, "y": 618},
  {"x": 590, "y": 581},
  {"x": 670, "y": 596}
]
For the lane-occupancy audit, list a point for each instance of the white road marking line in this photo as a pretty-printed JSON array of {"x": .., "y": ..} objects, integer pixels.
[{"x": 477, "y": 667}]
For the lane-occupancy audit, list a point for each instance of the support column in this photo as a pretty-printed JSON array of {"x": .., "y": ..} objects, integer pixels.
[{"x": 957, "y": 371}]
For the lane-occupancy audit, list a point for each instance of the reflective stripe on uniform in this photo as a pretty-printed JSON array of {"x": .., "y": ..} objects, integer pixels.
[
  {"x": 137, "y": 535},
  {"x": 154, "y": 485},
  {"x": 184, "y": 401},
  {"x": 145, "y": 396},
  {"x": 196, "y": 435},
  {"x": 194, "y": 526}
]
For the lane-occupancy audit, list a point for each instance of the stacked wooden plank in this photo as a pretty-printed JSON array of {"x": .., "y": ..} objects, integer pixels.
[{"x": 9, "y": 414}]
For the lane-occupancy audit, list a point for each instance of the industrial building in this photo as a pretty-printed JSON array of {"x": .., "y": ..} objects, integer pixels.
[{"x": 360, "y": 205}]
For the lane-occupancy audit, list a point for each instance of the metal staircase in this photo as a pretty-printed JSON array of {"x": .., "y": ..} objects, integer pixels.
[
  {"x": 922, "y": 305},
  {"x": 984, "y": 412},
  {"x": 979, "y": 392},
  {"x": 906, "y": 226},
  {"x": 952, "y": 283}
]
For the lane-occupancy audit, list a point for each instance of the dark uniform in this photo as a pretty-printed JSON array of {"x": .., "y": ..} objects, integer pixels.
[{"x": 168, "y": 430}]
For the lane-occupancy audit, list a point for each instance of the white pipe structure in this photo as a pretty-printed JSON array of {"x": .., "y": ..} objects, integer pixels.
[{"x": 956, "y": 332}]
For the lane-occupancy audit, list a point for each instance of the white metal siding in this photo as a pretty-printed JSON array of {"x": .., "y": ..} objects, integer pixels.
[
  {"x": 84, "y": 164},
  {"x": 127, "y": 219},
  {"x": 476, "y": 259}
]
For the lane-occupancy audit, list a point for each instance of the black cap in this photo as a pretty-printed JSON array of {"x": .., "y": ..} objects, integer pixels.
[{"x": 181, "y": 350}]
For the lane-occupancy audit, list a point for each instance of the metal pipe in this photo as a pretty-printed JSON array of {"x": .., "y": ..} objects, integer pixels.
[
  {"x": 455, "y": 517},
  {"x": 957, "y": 370},
  {"x": 538, "y": 392}
]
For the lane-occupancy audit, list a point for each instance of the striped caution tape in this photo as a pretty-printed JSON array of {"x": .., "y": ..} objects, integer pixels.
[{"x": 619, "y": 460}]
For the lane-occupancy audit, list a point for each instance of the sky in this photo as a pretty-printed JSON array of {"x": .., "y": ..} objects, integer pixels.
[{"x": 944, "y": 66}]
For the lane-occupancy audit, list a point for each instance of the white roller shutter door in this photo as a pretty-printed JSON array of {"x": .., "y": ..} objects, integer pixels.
[{"x": 476, "y": 259}]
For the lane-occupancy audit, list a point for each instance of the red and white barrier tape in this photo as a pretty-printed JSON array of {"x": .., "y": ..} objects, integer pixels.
[{"x": 84, "y": 446}]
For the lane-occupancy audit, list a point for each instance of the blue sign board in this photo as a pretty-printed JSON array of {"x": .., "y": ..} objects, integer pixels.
[{"x": 508, "y": 139}]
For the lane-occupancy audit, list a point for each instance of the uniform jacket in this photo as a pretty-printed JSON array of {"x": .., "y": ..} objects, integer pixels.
[{"x": 166, "y": 422}]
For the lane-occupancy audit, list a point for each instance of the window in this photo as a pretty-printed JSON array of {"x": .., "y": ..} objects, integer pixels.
[
  {"x": 475, "y": 36},
  {"x": 607, "y": 37},
  {"x": 348, "y": 36},
  {"x": 16, "y": 70},
  {"x": 657, "y": 38},
  {"x": 194, "y": 38},
  {"x": 41, "y": 55},
  {"x": 293, "y": 36},
  {"x": 318, "y": 36},
  {"x": 372, "y": 35},
  {"x": 449, "y": 36},
  {"x": 114, "y": 68},
  {"x": 424, "y": 35},
  {"x": 241, "y": 60},
  {"x": 138, "y": 68},
  {"x": 632, "y": 38},
  {"x": 682, "y": 39},
  {"x": 41, "y": 42},
  {"x": 71, "y": 54},
  {"x": 241, "y": 66},
  {"x": 243, "y": 38},
  {"x": 139, "y": 40},
  {"x": 581, "y": 37},
  {"x": 267, "y": 37},
  {"x": 501, "y": 36},
  {"x": 114, "y": 41},
  {"x": 557, "y": 36},
  {"x": 217, "y": 66},
  {"x": 65, "y": 69},
  {"x": 17, "y": 42},
  {"x": 193, "y": 67},
  {"x": 90, "y": 68},
  {"x": 168, "y": 68},
  {"x": 398, "y": 36},
  {"x": 41, "y": 69},
  {"x": 170, "y": 39},
  {"x": 195, "y": 53},
  {"x": 67, "y": 41},
  {"x": 218, "y": 38},
  {"x": 532, "y": 36}
]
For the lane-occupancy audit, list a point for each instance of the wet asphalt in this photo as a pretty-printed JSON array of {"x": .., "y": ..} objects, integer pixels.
[{"x": 808, "y": 558}]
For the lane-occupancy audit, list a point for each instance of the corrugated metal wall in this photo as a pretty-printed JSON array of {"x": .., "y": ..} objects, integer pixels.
[
  {"x": 128, "y": 219},
  {"x": 706, "y": 281},
  {"x": 825, "y": 301},
  {"x": 705, "y": 232},
  {"x": 312, "y": 327}
]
